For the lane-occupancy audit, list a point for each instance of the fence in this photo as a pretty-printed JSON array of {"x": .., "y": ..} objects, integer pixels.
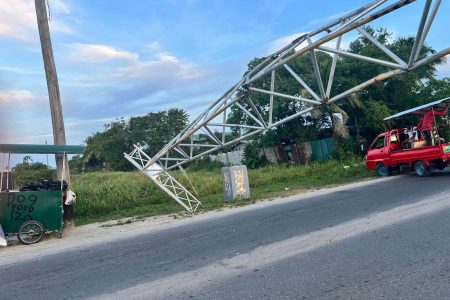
[
  {"x": 321, "y": 149},
  {"x": 299, "y": 153}
]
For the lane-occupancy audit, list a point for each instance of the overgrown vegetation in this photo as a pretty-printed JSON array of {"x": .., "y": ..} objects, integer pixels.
[
  {"x": 204, "y": 163},
  {"x": 110, "y": 195},
  {"x": 252, "y": 157}
]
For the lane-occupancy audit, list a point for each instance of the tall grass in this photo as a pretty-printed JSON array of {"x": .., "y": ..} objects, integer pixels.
[{"x": 109, "y": 195}]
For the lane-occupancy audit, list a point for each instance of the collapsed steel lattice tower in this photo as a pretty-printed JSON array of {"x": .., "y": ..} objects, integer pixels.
[{"x": 183, "y": 149}]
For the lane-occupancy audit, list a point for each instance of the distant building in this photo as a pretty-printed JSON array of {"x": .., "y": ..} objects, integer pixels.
[{"x": 233, "y": 157}]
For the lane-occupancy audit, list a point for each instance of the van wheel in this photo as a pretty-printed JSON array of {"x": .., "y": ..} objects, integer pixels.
[
  {"x": 421, "y": 169},
  {"x": 382, "y": 170}
]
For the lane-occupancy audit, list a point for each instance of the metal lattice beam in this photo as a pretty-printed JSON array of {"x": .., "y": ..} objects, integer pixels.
[
  {"x": 162, "y": 179},
  {"x": 183, "y": 149}
]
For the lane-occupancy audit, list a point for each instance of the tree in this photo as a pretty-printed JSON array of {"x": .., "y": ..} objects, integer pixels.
[
  {"x": 157, "y": 129},
  {"x": 104, "y": 150},
  {"x": 27, "y": 159},
  {"x": 375, "y": 112},
  {"x": 394, "y": 95},
  {"x": 107, "y": 147},
  {"x": 355, "y": 110}
]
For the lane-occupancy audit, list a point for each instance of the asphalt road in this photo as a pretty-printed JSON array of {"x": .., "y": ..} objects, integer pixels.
[{"x": 385, "y": 239}]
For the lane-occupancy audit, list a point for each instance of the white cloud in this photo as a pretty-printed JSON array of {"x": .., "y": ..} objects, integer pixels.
[
  {"x": 322, "y": 21},
  {"x": 286, "y": 40},
  {"x": 19, "y": 98},
  {"x": 154, "y": 46},
  {"x": 18, "y": 19},
  {"x": 100, "y": 53},
  {"x": 283, "y": 41},
  {"x": 20, "y": 71},
  {"x": 59, "y": 6},
  {"x": 125, "y": 82},
  {"x": 444, "y": 69},
  {"x": 60, "y": 27},
  {"x": 30, "y": 139},
  {"x": 130, "y": 77},
  {"x": 164, "y": 67},
  {"x": 86, "y": 122}
]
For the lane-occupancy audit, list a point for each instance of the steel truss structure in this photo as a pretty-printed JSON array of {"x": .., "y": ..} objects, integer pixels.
[{"x": 183, "y": 148}]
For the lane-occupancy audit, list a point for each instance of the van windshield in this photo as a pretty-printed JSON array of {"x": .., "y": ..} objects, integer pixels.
[{"x": 379, "y": 143}]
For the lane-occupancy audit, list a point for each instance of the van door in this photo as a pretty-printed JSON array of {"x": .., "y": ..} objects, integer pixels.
[{"x": 378, "y": 151}]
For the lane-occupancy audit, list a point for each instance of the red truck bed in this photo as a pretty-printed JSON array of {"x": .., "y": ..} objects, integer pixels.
[{"x": 426, "y": 153}]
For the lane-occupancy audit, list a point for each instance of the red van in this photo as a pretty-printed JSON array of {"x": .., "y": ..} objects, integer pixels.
[
  {"x": 400, "y": 150},
  {"x": 386, "y": 154}
]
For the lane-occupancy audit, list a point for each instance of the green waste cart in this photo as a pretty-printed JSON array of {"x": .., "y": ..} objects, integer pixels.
[{"x": 31, "y": 214}]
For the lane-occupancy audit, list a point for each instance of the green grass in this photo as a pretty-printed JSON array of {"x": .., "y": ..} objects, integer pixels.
[{"x": 103, "y": 196}]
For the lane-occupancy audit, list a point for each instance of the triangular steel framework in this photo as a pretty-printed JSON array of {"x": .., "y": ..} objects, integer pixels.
[
  {"x": 183, "y": 148},
  {"x": 163, "y": 179}
]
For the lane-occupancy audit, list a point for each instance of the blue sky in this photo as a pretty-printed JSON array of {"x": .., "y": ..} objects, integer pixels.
[{"x": 122, "y": 58}]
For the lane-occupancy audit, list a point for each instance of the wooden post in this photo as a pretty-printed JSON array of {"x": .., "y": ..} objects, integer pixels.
[{"x": 59, "y": 135}]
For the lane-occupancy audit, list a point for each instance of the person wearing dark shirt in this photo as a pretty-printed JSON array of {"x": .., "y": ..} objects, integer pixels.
[{"x": 426, "y": 125}]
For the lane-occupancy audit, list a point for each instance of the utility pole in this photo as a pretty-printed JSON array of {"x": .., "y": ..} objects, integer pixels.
[{"x": 59, "y": 136}]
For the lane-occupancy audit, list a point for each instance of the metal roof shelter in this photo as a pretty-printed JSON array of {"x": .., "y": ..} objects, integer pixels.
[
  {"x": 8, "y": 149},
  {"x": 41, "y": 149},
  {"x": 422, "y": 109}
]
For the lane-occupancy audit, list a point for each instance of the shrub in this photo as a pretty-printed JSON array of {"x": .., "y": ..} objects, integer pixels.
[
  {"x": 252, "y": 158},
  {"x": 204, "y": 164},
  {"x": 345, "y": 151}
]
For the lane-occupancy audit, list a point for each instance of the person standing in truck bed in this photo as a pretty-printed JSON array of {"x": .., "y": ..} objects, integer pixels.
[{"x": 426, "y": 125}]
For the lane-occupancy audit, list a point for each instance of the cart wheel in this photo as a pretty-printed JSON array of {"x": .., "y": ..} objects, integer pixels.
[
  {"x": 30, "y": 232},
  {"x": 421, "y": 169}
]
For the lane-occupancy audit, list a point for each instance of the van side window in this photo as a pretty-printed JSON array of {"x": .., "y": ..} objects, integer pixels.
[{"x": 379, "y": 143}]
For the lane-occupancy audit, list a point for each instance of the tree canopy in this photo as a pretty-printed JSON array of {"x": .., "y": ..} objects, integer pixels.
[{"x": 104, "y": 150}]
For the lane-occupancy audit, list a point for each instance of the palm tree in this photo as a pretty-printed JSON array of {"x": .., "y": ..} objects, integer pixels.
[
  {"x": 27, "y": 159},
  {"x": 354, "y": 106}
]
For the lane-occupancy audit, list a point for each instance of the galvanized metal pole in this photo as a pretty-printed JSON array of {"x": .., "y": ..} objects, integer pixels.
[{"x": 59, "y": 136}]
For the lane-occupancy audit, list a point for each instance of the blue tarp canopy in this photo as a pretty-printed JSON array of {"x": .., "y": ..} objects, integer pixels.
[
  {"x": 421, "y": 110},
  {"x": 41, "y": 149}
]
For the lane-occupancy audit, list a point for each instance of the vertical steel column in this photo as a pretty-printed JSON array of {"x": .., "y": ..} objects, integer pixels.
[
  {"x": 272, "y": 89},
  {"x": 419, "y": 33},
  {"x": 333, "y": 68}
]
